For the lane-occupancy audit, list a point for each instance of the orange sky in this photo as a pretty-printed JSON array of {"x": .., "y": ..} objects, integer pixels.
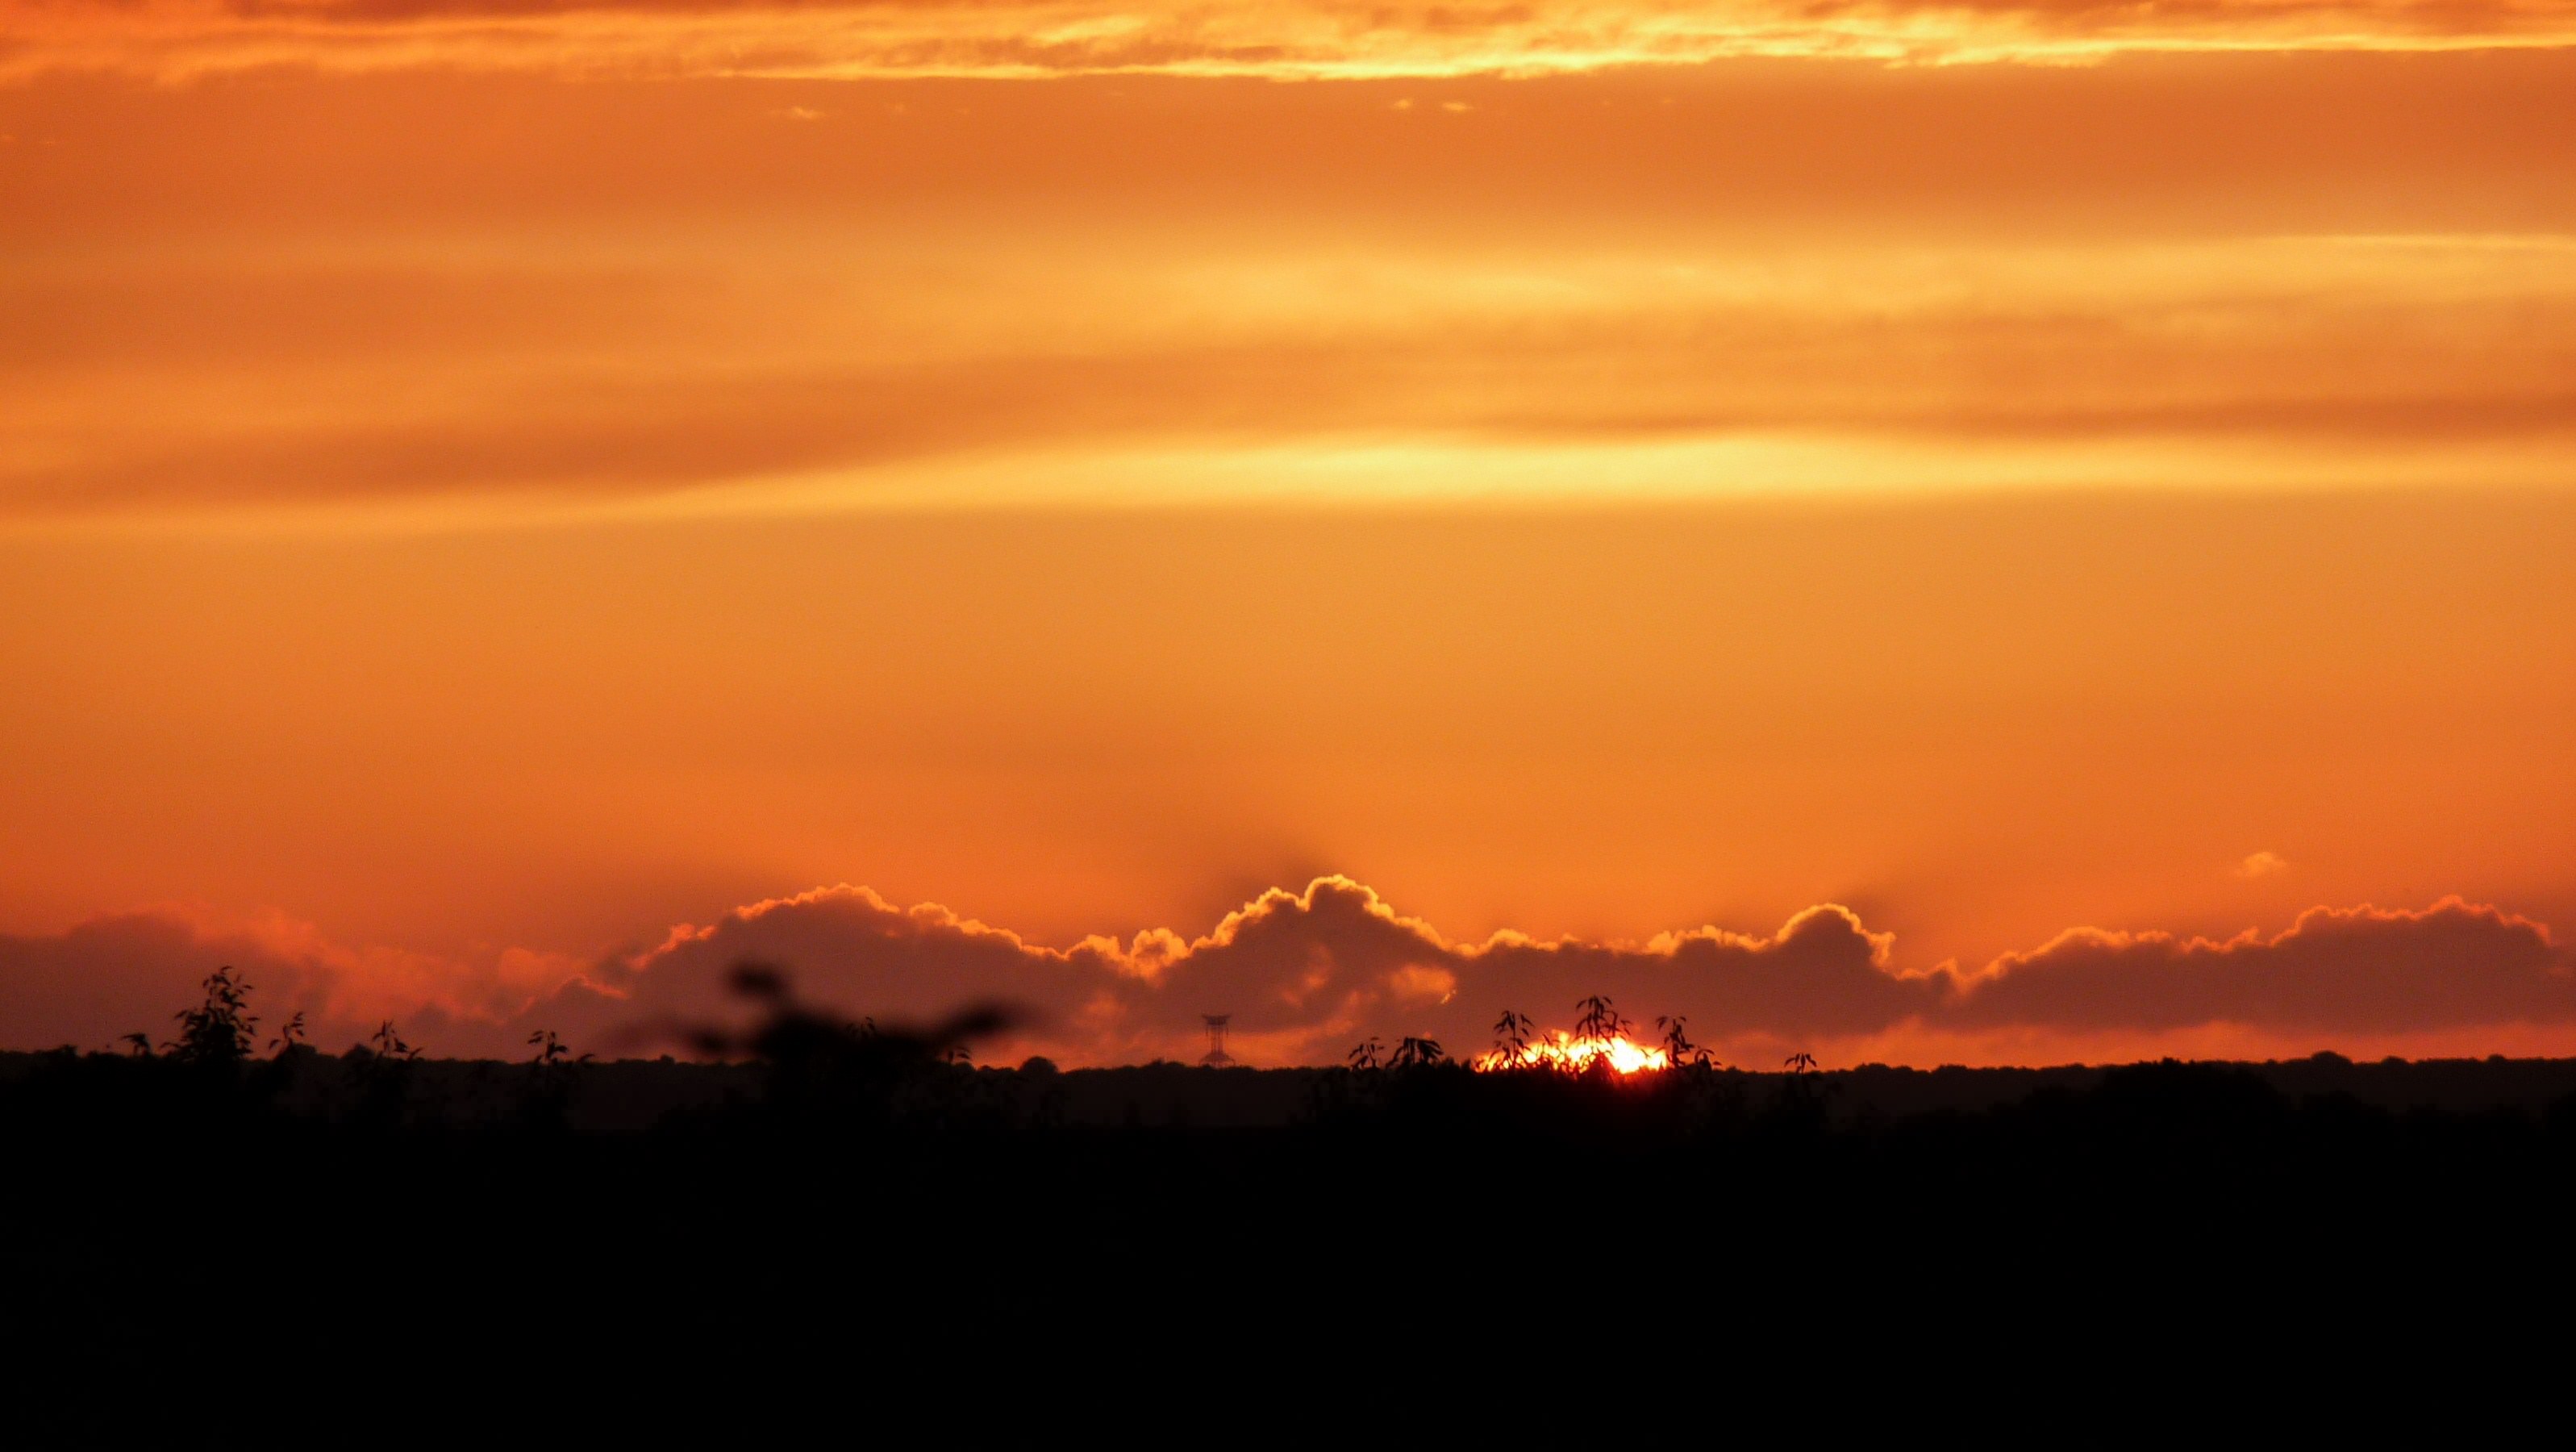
[{"x": 482, "y": 485}]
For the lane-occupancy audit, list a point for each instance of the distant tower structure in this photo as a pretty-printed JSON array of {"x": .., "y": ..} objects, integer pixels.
[{"x": 1217, "y": 1057}]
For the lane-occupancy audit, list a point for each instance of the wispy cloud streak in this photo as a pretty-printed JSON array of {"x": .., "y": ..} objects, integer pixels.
[
  {"x": 1301, "y": 39},
  {"x": 2353, "y": 360}
]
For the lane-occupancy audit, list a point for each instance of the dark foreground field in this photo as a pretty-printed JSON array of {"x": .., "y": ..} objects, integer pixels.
[{"x": 2072, "y": 1254}]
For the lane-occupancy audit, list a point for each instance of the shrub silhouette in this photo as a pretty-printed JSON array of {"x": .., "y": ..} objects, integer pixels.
[
  {"x": 219, "y": 1030},
  {"x": 552, "y": 1057},
  {"x": 388, "y": 1044},
  {"x": 1600, "y": 1020},
  {"x": 547, "y": 1099},
  {"x": 1413, "y": 1053},
  {"x": 1679, "y": 1051}
]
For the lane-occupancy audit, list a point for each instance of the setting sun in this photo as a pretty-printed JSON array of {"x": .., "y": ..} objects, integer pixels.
[{"x": 1574, "y": 1055}]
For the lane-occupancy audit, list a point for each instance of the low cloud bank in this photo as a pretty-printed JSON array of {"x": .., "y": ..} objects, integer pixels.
[{"x": 1305, "y": 974}]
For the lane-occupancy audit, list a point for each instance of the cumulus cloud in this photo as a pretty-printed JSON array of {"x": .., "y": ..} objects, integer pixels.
[
  {"x": 2262, "y": 864},
  {"x": 2359, "y": 969},
  {"x": 1302, "y": 974},
  {"x": 1306, "y": 973},
  {"x": 133, "y": 972},
  {"x": 114, "y": 976}
]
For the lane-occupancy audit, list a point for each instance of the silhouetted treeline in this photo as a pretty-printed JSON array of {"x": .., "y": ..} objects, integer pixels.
[
  {"x": 623, "y": 1096},
  {"x": 855, "y": 1206}
]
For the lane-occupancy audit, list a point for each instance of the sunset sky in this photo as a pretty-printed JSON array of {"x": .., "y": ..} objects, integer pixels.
[{"x": 1937, "y": 533}]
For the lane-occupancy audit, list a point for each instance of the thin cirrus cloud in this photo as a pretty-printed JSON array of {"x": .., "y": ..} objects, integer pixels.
[
  {"x": 1295, "y": 39},
  {"x": 322, "y": 292},
  {"x": 1306, "y": 973},
  {"x": 1246, "y": 375}
]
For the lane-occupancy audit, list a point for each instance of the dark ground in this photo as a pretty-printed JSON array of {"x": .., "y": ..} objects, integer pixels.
[
  {"x": 632, "y": 1095},
  {"x": 2069, "y": 1254}
]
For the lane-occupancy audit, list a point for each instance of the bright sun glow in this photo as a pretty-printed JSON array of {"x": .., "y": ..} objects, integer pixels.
[{"x": 1571, "y": 1053}]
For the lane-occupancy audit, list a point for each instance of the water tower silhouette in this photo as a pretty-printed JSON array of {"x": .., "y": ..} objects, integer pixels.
[{"x": 1217, "y": 1057}]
